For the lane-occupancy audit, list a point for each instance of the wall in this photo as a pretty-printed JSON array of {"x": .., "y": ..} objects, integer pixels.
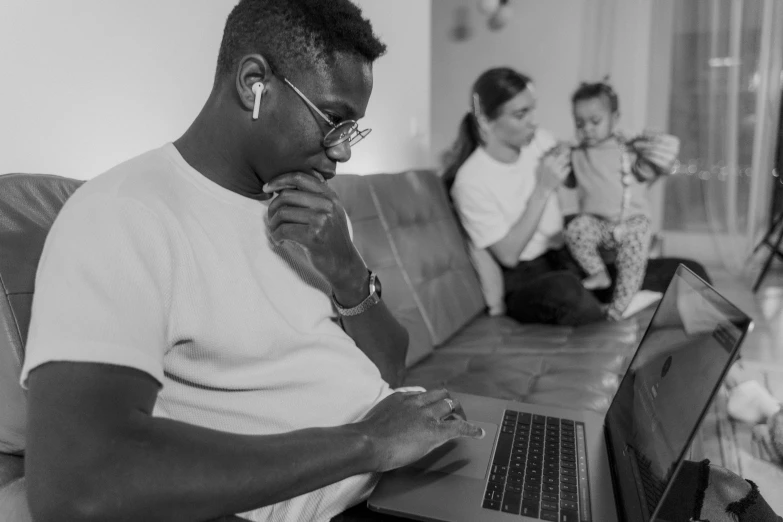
[
  {"x": 399, "y": 110},
  {"x": 89, "y": 83},
  {"x": 542, "y": 39},
  {"x": 560, "y": 43}
]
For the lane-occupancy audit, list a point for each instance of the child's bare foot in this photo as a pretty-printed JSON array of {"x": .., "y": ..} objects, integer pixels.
[
  {"x": 613, "y": 314},
  {"x": 751, "y": 403},
  {"x": 597, "y": 281}
]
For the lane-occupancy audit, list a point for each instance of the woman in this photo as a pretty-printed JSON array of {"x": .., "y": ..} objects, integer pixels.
[{"x": 503, "y": 174}]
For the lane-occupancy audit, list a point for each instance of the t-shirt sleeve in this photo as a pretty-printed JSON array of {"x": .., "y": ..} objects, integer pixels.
[
  {"x": 102, "y": 288},
  {"x": 480, "y": 214}
]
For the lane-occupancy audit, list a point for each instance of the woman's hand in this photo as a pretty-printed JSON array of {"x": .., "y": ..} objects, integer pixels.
[{"x": 553, "y": 168}]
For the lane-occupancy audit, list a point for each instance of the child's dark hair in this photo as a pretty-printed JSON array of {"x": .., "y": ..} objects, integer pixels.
[{"x": 591, "y": 91}]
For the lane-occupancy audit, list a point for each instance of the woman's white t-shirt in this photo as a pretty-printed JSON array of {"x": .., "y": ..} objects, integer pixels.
[{"x": 490, "y": 196}]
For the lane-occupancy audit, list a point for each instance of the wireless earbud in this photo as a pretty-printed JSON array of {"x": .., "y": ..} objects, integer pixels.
[{"x": 258, "y": 88}]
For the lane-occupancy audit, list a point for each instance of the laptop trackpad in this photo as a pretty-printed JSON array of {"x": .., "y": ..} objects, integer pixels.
[{"x": 464, "y": 456}]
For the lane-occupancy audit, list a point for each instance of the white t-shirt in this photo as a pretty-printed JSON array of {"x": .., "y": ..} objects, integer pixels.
[
  {"x": 153, "y": 266},
  {"x": 490, "y": 196}
]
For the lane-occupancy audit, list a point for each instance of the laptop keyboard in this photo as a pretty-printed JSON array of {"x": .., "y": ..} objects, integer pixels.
[
  {"x": 539, "y": 469},
  {"x": 653, "y": 486}
]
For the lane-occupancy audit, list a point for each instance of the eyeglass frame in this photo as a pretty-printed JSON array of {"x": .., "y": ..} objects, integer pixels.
[{"x": 360, "y": 134}]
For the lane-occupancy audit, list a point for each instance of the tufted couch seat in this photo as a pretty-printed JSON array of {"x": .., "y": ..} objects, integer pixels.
[{"x": 405, "y": 229}]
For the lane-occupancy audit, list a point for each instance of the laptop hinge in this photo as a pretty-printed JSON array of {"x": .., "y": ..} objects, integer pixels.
[{"x": 613, "y": 472}]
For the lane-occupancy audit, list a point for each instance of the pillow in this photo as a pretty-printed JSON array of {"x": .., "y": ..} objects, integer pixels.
[{"x": 491, "y": 278}]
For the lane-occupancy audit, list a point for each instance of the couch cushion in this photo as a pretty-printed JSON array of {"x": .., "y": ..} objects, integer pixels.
[
  {"x": 429, "y": 248},
  {"x": 551, "y": 365},
  {"x": 28, "y": 205},
  {"x": 374, "y": 245}
]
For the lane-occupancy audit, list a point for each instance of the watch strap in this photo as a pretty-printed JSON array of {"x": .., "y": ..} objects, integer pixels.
[{"x": 370, "y": 301}]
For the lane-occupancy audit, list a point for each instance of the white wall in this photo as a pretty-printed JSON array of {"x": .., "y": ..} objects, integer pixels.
[
  {"x": 399, "y": 110},
  {"x": 560, "y": 43},
  {"x": 543, "y": 40},
  {"x": 87, "y": 84}
]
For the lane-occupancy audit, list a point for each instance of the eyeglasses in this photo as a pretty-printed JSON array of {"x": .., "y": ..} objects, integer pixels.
[{"x": 347, "y": 130}]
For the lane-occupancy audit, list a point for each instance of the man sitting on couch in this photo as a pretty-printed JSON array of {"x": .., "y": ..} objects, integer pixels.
[{"x": 185, "y": 360}]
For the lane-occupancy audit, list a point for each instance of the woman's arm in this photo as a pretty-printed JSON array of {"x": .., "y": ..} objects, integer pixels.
[
  {"x": 508, "y": 249},
  {"x": 550, "y": 174}
]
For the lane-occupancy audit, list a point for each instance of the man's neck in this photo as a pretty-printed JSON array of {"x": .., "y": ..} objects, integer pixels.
[
  {"x": 210, "y": 147},
  {"x": 502, "y": 152}
]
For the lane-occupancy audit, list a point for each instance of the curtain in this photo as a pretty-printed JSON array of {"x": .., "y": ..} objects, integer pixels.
[
  {"x": 725, "y": 89},
  {"x": 709, "y": 72}
]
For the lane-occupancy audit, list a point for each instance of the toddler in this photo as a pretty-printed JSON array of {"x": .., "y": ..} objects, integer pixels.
[{"x": 611, "y": 174}]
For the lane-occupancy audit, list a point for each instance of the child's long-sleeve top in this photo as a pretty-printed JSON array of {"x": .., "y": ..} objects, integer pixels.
[{"x": 597, "y": 174}]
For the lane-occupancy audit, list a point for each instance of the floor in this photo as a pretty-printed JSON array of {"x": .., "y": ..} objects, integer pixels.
[
  {"x": 765, "y": 342},
  {"x": 729, "y": 443}
]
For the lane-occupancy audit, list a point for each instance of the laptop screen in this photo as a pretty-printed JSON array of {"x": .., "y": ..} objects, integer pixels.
[{"x": 678, "y": 367}]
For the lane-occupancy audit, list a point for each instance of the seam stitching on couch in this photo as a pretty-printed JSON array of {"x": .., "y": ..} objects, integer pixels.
[
  {"x": 397, "y": 258},
  {"x": 16, "y": 349}
]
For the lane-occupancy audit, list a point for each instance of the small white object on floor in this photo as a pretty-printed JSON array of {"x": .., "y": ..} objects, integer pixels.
[
  {"x": 640, "y": 301},
  {"x": 751, "y": 403}
]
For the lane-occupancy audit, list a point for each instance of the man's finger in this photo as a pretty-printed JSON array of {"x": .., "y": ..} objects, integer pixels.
[
  {"x": 298, "y": 198},
  {"x": 295, "y": 180},
  {"x": 433, "y": 396},
  {"x": 463, "y": 428},
  {"x": 445, "y": 407},
  {"x": 288, "y": 215},
  {"x": 295, "y": 232}
]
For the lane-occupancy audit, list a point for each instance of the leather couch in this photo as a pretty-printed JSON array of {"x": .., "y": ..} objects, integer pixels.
[{"x": 405, "y": 230}]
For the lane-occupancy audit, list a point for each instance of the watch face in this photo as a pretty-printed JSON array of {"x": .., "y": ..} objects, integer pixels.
[{"x": 378, "y": 286}]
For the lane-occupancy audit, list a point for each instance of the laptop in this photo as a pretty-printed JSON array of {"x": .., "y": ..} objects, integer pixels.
[{"x": 555, "y": 464}]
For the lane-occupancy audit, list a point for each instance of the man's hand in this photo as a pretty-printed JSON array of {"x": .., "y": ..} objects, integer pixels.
[
  {"x": 404, "y": 427},
  {"x": 308, "y": 212}
]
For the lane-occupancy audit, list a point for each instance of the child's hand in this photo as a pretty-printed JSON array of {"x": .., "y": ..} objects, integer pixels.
[
  {"x": 561, "y": 148},
  {"x": 659, "y": 149}
]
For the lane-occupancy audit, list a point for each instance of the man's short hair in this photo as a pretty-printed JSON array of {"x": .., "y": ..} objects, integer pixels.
[{"x": 296, "y": 34}]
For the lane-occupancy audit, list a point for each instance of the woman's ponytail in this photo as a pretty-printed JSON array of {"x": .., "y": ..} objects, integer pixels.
[{"x": 467, "y": 141}]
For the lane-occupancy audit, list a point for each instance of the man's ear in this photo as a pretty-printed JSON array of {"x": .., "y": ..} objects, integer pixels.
[{"x": 252, "y": 70}]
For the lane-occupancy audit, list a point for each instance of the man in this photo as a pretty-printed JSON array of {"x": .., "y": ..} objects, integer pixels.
[{"x": 185, "y": 361}]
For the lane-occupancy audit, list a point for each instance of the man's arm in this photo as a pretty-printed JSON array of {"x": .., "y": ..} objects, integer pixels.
[
  {"x": 309, "y": 213},
  {"x": 95, "y": 453},
  {"x": 376, "y": 331}
]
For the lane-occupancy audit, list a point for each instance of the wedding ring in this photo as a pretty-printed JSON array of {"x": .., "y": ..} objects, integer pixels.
[{"x": 450, "y": 403}]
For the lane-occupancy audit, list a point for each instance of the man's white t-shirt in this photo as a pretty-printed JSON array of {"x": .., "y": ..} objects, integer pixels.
[
  {"x": 490, "y": 196},
  {"x": 153, "y": 266}
]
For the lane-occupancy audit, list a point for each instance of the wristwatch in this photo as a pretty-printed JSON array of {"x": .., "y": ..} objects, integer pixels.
[{"x": 371, "y": 300}]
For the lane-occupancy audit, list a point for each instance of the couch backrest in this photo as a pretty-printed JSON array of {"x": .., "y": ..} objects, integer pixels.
[
  {"x": 406, "y": 231},
  {"x": 403, "y": 227},
  {"x": 28, "y": 205}
]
